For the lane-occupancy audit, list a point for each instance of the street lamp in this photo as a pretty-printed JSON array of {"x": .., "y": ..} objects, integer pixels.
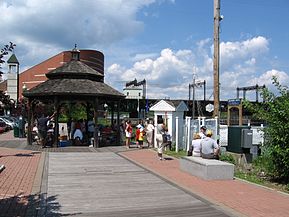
[
  {"x": 138, "y": 105},
  {"x": 105, "y": 106}
]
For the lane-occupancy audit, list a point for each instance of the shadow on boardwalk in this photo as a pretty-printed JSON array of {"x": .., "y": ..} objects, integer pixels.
[
  {"x": 22, "y": 154},
  {"x": 31, "y": 206}
]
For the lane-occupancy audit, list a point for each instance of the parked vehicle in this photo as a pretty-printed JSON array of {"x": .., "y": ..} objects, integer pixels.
[
  {"x": 3, "y": 127},
  {"x": 1, "y": 130},
  {"x": 10, "y": 118},
  {"x": 9, "y": 123}
]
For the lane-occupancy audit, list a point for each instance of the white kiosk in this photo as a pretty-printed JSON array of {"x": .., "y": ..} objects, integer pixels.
[{"x": 172, "y": 112}]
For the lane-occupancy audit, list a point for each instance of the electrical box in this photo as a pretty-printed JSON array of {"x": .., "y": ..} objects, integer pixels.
[
  {"x": 247, "y": 138},
  {"x": 235, "y": 140}
]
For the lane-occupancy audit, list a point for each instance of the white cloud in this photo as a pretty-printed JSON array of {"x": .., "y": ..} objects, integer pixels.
[
  {"x": 86, "y": 23},
  {"x": 251, "y": 62},
  {"x": 266, "y": 78},
  {"x": 170, "y": 73},
  {"x": 140, "y": 57},
  {"x": 239, "y": 63},
  {"x": 40, "y": 27},
  {"x": 232, "y": 52},
  {"x": 166, "y": 75}
]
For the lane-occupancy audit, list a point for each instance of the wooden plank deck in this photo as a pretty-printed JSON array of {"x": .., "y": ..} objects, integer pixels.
[{"x": 105, "y": 184}]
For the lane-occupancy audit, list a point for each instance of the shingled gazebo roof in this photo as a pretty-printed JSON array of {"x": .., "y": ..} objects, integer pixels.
[{"x": 73, "y": 79}]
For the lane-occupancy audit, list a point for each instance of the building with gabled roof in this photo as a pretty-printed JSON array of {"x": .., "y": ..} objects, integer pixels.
[{"x": 172, "y": 112}]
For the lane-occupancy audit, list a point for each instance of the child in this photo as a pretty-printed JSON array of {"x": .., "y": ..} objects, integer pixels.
[{"x": 140, "y": 136}]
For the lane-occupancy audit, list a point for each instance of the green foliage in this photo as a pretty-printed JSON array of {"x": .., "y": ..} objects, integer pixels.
[
  {"x": 5, "y": 51},
  {"x": 275, "y": 112},
  {"x": 287, "y": 187},
  {"x": 228, "y": 158},
  {"x": 263, "y": 163},
  {"x": 78, "y": 112},
  {"x": 175, "y": 154},
  {"x": 250, "y": 177},
  {"x": 5, "y": 99}
]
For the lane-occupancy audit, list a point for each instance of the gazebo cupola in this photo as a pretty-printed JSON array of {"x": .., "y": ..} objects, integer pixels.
[
  {"x": 75, "y": 69},
  {"x": 75, "y": 53}
]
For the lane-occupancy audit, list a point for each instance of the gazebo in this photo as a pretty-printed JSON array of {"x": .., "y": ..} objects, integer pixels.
[{"x": 73, "y": 82}]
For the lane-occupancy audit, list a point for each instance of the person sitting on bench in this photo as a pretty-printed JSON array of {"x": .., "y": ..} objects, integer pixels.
[
  {"x": 195, "y": 147},
  {"x": 209, "y": 147}
]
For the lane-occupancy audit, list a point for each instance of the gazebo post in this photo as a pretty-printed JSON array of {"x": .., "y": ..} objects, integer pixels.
[
  {"x": 118, "y": 124},
  {"x": 56, "y": 130},
  {"x": 87, "y": 111},
  {"x": 95, "y": 109},
  {"x": 112, "y": 115},
  {"x": 31, "y": 109},
  {"x": 29, "y": 119}
]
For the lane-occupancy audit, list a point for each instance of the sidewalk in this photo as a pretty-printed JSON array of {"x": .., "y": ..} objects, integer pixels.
[
  {"x": 235, "y": 195},
  {"x": 20, "y": 183}
]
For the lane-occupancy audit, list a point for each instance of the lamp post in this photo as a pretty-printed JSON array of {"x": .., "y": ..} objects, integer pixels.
[
  {"x": 105, "y": 106},
  {"x": 138, "y": 105}
]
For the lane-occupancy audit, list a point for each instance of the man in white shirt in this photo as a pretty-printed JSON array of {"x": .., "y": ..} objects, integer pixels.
[{"x": 209, "y": 147}]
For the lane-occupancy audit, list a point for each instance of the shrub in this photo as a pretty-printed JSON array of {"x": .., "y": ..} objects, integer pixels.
[
  {"x": 228, "y": 158},
  {"x": 275, "y": 112}
]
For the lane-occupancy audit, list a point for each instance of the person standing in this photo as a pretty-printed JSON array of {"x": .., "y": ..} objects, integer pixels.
[
  {"x": 161, "y": 130},
  {"x": 122, "y": 132},
  {"x": 209, "y": 147},
  {"x": 72, "y": 128},
  {"x": 149, "y": 133},
  {"x": 128, "y": 133},
  {"x": 140, "y": 136},
  {"x": 68, "y": 126},
  {"x": 90, "y": 128},
  {"x": 202, "y": 133},
  {"x": 42, "y": 128}
]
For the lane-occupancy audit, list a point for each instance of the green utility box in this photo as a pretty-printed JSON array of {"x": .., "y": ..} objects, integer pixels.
[
  {"x": 16, "y": 131},
  {"x": 236, "y": 138}
]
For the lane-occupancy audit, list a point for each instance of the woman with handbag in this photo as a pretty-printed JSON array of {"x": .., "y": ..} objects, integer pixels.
[{"x": 161, "y": 131}]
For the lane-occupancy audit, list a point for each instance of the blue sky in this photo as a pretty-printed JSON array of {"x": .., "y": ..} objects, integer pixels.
[{"x": 162, "y": 41}]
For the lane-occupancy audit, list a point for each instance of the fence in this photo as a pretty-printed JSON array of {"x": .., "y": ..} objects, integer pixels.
[{"x": 193, "y": 126}]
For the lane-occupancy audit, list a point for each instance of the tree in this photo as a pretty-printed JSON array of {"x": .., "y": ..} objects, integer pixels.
[
  {"x": 275, "y": 112},
  {"x": 4, "y": 99},
  {"x": 4, "y": 51}
]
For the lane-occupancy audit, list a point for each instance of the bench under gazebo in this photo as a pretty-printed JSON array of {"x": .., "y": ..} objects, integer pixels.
[{"x": 74, "y": 82}]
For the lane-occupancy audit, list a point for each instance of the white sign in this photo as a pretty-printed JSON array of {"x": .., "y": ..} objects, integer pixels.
[{"x": 209, "y": 108}]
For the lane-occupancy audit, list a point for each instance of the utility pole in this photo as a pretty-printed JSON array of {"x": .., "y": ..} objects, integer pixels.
[
  {"x": 194, "y": 85},
  {"x": 217, "y": 19}
]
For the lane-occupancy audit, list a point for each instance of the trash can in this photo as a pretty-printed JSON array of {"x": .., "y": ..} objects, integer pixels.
[{"x": 16, "y": 131}]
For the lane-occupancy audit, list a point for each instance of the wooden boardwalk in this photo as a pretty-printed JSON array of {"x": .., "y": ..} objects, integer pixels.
[{"x": 105, "y": 184}]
